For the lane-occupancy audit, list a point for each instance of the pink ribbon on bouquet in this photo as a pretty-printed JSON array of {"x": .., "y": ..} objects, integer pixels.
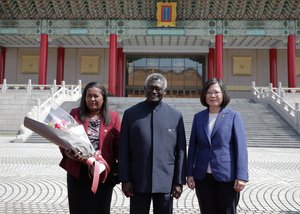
[{"x": 97, "y": 160}]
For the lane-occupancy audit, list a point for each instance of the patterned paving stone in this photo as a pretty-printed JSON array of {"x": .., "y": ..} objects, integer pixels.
[{"x": 32, "y": 182}]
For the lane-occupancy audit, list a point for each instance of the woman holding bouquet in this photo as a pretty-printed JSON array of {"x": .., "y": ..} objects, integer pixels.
[{"x": 102, "y": 127}]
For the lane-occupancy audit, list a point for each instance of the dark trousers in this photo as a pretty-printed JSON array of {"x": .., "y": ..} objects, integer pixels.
[
  {"x": 162, "y": 203},
  {"x": 83, "y": 200},
  {"x": 216, "y": 197}
]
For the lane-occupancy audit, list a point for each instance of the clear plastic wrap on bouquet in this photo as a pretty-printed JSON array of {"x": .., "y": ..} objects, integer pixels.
[{"x": 59, "y": 127}]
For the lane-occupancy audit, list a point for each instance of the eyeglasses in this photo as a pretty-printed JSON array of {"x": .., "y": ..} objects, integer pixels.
[{"x": 216, "y": 93}]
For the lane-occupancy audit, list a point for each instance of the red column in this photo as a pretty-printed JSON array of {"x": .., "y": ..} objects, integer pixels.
[
  {"x": 112, "y": 80},
  {"x": 43, "y": 59},
  {"x": 120, "y": 77},
  {"x": 210, "y": 68},
  {"x": 273, "y": 66},
  {"x": 2, "y": 64},
  {"x": 60, "y": 65},
  {"x": 292, "y": 81},
  {"x": 219, "y": 56}
]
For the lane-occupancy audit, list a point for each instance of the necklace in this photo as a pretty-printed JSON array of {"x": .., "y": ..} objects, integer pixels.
[{"x": 94, "y": 117}]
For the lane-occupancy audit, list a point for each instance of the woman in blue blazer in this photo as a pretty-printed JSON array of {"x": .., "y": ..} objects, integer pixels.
[{"x": 217, "y": 154}]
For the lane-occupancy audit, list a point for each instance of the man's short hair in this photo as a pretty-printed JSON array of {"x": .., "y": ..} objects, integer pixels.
[{"x": 157, "y": 76}]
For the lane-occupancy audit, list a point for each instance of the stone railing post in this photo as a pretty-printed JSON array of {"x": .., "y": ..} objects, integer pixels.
[
  {"x": 63, "y": 85},
  {"x": 252, "y": 86},
  {"x": 29, "y": 87},
  {"x": 270, "y": 87},
  {"x": 4, "y": 86},
  {"x": 54, "y": 87},
  {"x": 80, "y": 86},
  {"x": 280, "y": 94},
  {"x": 269, "y": 93}
]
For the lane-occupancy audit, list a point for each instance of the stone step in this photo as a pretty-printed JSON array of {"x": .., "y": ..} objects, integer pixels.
[
  {"x": 21, "y": 96},
  {"x": 18, "y": 101},
  {"x": 264, "y": 127},
  {"x": 15, "y": 106},
  {"x": 35, "y": 138}
]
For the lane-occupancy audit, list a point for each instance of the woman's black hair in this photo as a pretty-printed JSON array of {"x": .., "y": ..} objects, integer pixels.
[
  {"x": 104, "y": 112},
  {"x": 226, "y": 98}
]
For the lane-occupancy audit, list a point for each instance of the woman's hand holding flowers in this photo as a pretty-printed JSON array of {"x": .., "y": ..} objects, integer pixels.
[{"x": 77, "y": 156}]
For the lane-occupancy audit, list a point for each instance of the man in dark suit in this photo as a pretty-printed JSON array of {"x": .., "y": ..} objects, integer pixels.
[{"x": 152, "y": 151}]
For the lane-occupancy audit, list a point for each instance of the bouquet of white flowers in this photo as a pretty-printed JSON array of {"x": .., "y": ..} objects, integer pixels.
[{"x": 59, "y": 127}]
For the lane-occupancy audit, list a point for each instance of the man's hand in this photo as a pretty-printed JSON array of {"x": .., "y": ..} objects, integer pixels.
[
  {"x": 176, "y": 190},
  {"x": 191, "y": 182},
  {"x": 127, "y": 189}
]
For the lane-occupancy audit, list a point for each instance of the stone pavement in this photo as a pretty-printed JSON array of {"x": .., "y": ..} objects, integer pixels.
[{"x": 32, "y": 182}]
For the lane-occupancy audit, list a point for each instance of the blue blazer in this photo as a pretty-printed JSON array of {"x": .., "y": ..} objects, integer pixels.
[{"x": 225, "y": 150}]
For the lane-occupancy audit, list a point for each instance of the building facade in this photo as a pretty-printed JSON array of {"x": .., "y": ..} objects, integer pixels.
[{"x": 118, "y": 43}]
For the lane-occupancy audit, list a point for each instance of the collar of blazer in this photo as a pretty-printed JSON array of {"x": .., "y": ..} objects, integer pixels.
[
  {"x": 218, "y": 123},
  {"x": 154, "y": 107}
]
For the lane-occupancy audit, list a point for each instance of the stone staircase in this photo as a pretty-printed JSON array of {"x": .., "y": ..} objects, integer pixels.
[
  {"x": 264, "y": 127},
  {"x": 14, "y": 107}
]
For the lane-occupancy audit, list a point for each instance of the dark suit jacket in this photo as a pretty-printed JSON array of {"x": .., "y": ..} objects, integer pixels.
[
  {"x": 152, "y": 158},
  {"x": 109, "y": 137},
  {"x": 226, "y": 149}
]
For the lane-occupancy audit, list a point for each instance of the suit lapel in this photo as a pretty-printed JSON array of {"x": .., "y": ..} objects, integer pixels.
[
  {"x": 219, "y": 122},
  {"x": 205, "y": 125}
]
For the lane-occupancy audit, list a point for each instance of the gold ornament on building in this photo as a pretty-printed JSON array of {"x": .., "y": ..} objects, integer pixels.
[
  {"x": 30, "y": 64},
  {"x": 166, "y": 14},
  {"x": 89, "y": 64},
  {"x": 241, "y": 65}
]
